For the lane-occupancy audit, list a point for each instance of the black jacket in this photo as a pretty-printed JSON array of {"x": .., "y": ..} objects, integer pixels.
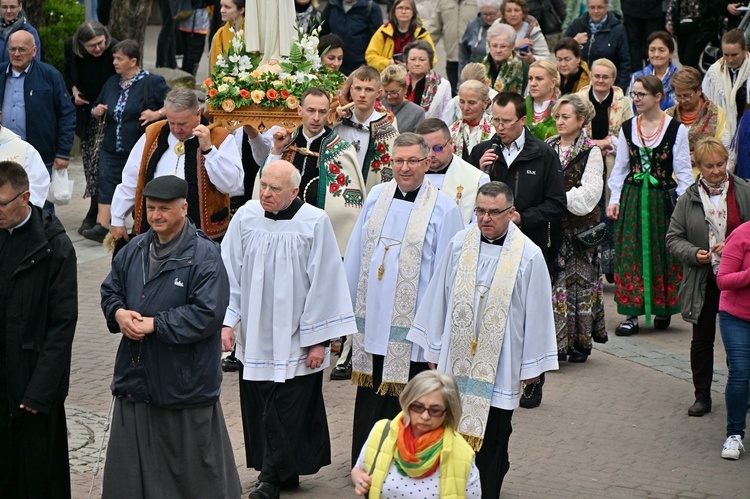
[
  {"x": 536, "y": 179},
  {"x": 551, "y": 20},
  {"x": 179, "y": 365},
  {"x": 355, "y": 28},
  {"x": 610, "y": 42},
  {"x": 41, "y": 317}
]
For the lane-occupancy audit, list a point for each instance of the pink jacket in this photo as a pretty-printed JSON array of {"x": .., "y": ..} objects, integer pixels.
[{"x": 733, "y": 278}]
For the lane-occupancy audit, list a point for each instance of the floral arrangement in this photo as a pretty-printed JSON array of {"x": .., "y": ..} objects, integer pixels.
[{"x": 238, "y": 80}]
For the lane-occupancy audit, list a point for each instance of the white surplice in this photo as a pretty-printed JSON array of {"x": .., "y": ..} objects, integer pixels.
[
  {"x": 288, "y": 289},
  {"x": 529, "y": 347},
  {"x": 445, "y": 221}
]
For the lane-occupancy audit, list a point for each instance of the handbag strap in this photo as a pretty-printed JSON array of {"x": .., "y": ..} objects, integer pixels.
[{"x": 380, "y": 446}]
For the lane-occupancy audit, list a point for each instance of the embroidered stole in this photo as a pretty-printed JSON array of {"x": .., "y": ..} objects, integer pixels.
[
  {"x": 14, "y": 147},
  {"x": 475, "y": 371},
  {"x": 398, "y": 355}
]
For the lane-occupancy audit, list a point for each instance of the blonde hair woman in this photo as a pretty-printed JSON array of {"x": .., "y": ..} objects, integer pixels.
[
  {"x": 475, "y": 125},
  {"x": 408, "y": 115},
  {"x": 543, "y": 82}
]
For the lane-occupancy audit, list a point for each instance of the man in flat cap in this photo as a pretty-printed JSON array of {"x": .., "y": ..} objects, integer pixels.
[{"x": 167, "y": 294}]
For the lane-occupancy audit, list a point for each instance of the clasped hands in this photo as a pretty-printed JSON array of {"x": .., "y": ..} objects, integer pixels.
[{"x": 134, "y": 325}]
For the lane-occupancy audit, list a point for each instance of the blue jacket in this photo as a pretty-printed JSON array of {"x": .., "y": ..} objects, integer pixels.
[
  {"x": 179, "y": 364},
  {"x": 610, "y": 42},
  {"x": 21, "y": 24},
  {"x": 355, "y": 28},
  {"x": 50, "y": 114}
]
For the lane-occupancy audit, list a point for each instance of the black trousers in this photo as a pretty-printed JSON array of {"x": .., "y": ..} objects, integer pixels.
[
  {"x": 370, "y": 407},
  {"x": 192, "y": 50},
  {"x": 638, "y": 30},
  {"x": 689, "y": 45},
  {"x": 492, "y": 459},
  {"x": 451, "y": 68},
  {"x": 166, "y": 47},
  {"x": 702, "y": 344}
]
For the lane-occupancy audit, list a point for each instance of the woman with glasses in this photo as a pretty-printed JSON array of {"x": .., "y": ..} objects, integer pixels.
[
  {"x": 425, "y": 87},
  {"x": 473, "y": 44},
  {"x": 419, "y": 453},
  {"x": 652, "y": 150},
  {"x": 715, "y": 205},
  {"x": 507, "y": 71},
  {"x": 577, "y": 293},
  {"x": 602, "y": 35},
  {"x": 611, "y": 109},
  {"x": 475, "y": 125},
  {"x": 529, "y": 42},
  {"x": 388, "y": 44},
  {"x": 88, "y": 65},
  {"x": 660, "y": 53},
  {"x": 408, "y": 115},
  {"x": 543, "y": 91},
  {"x": 693, "y": 109}
]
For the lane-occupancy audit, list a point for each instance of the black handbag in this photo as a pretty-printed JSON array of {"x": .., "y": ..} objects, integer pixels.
[
  {"x": 550, "y": 21},
  {"x": 593, "y": 237}
]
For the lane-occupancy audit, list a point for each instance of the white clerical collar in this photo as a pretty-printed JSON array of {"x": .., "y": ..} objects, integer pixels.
[
  {"x": 28, "y": 217},
  {"x": 404, "y": 194},
  {"x": 518, "y": 143},
  {"x": 311, "y": 140},
  {"x": 601, "y": 100}
]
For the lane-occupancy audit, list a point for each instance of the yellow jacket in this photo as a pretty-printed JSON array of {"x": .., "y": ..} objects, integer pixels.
[
  {"x": 456, "y": 458},
  {"x": 380, "y": 50},
  {"x": 221, "y": 41}
]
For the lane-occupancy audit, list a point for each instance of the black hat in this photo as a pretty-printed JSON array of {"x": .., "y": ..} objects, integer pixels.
[{"x": 166, "y": 188}]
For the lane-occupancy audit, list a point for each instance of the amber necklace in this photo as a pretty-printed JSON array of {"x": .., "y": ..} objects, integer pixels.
[
  {"x": 689, "y": 119},
  {"x": 648, "y": 140}
]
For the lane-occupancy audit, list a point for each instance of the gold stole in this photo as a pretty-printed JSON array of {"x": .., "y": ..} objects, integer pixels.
[{"x": 474, "y": 351}]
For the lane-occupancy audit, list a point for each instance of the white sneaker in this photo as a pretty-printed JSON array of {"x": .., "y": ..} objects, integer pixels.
[{"x": 732, "y": 447}]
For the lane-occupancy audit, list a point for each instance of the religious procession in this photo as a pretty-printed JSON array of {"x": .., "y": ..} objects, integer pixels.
[{"x": 340, "y": 259}]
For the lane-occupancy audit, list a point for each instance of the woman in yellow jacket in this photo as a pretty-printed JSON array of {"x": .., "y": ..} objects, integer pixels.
[
  {"x": 418, "y": 453},
  {"x": 233, "y": 14},
  {"x": 403, "y": 27}
]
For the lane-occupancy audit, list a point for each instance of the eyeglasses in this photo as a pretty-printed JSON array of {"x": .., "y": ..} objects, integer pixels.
[
  {"x": 638, "y": 95},
  {"x": 481, "y": 212},
  {"x": 490, "y": 15},
  {"x": 683, "y": 97},
  {"x": 437, "y": 148},
  {"x": 4, "y": 204},
  {"x": 412, "y": 162},
  {"x": 498, "y": 123},
  {"x": 392, "y": 93},
  {"x": 434, "y": 412},
  {"x": 499, "y": 46},
  {"x": 10, "y": 7},
  {"x": 94, "y": 45},
  {"x": 601, "y": 77},
  {"x": 20, "y": 50}
]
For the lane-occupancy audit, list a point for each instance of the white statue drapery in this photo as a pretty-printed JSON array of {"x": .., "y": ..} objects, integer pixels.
[{"x": 269, "y": 27}]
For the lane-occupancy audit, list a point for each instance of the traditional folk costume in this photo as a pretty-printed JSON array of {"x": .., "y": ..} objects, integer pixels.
[
  {"x": 727, "y": 88},
  {"x": 461, "y": 181},
  {"x": 169, "y": 437},
  {"x": 289, "y": 290},
  {"x": 710, "y": 121},
  {"x": 13, "y": 148},
  {"x": 331, "y": 178},
  {"x": 373, "y": 141},
  {"x": 397, "y": 242},
  {"x": 466, "y": 135},
  {"x": 611, "y": 112},
  {"x": 511, "y": 76},
  {"x": 646, "y": 275},
  {"x": 577, "y": 292},
  {"x": 453, "y": 113},
  {"x": 539, "y": 120},
  {"x": 486, "y": 318},
  {"x": 211, "y": 177},
  {"x": 432, "y": 93}
]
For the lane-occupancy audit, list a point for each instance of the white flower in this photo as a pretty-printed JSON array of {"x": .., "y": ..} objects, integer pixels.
[
  {"x": 245, "y": 63},
  {"x": 223, "y": 88},
  {"x": 234, "y": 58},
  {"x": 221, "y": 62}
]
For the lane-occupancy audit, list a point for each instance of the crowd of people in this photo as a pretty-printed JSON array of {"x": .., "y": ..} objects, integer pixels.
[{"x": 450, "y": 233}]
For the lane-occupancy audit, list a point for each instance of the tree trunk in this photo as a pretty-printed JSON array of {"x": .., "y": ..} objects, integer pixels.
[
  {"x": 128, "y": 20},
  {"x": 34, "y": 12}
]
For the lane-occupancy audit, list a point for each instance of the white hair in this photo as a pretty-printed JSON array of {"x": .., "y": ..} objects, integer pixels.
[{"x": 481, "y": 4}]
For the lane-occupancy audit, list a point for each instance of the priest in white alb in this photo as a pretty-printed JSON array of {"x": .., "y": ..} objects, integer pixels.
[
  {"x": 288, "y": 290},
  {"x": 404, "y": 227},
  {"x": 486, "y": 318}
]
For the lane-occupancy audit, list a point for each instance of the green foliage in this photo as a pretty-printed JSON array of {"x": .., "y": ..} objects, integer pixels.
[{"x": 60, "y": 22}]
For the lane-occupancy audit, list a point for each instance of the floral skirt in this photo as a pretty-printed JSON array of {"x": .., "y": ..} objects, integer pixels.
[
  {"x": 578, "y": 297},
  {"x": 90, "y": 156},
  {"x": 666, "y": 272}
]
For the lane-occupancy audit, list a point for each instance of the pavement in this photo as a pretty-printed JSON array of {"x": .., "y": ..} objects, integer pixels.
[{"x": 616, "y": 426}]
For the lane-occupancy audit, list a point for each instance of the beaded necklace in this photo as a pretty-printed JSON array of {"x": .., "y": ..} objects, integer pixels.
[{"x": 648, "y": 140}]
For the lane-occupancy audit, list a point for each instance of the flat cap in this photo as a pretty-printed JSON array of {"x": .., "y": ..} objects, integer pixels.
[{"x": 166, "y": 188}]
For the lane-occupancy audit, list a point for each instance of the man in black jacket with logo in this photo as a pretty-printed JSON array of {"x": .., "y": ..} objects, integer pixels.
[{"x": 532, "y": 170}]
